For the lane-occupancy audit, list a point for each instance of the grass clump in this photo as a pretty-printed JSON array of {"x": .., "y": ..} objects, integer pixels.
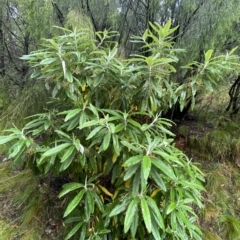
[{"x": 28, "y": 209}]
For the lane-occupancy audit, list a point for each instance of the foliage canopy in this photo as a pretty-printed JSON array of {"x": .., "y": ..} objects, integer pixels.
[{"x": 103, "y": 129}]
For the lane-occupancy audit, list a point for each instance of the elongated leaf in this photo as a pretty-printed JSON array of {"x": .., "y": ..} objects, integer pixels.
[
  {"x": 133, "y": 160},
  {"x": 116, "y": 144},
  {"x": 130, "y": 146},
  {"x": 83, "y": 232},
  {"x": 136, "y": 182},
  {"x": 74, "y": 202},
  {"x": 68, "y": 153},
  {"x": 94, "y": 132},
  {"x": 72, "y": 113},
  {"x": 74, "y": 230},
  {"x": 134, "y": 123},
  {"x": 171, "y": 207},
  {"x": 119, "y": 127},
  {"x": 56, "y": 149},
  {"x": 156, "y": 211},
  {"x": 146, "y": 166},
  {"x": 105, "y": 191},
  {"x": 48, "y": 61},
  {"x": 146, "y": 215},
  {"x": 73, "y": 123},
  {"x": 132, "y": 208},
  {"x": 118, "y": 209},
  {"x": 63, "y": 134},
  {"x": 155, "y": 232},
  {"x": 69, "y": 187},
  {"x": 208, "y": 55},
  {"x": 99, "y": 202},
  {"x": 106, "y": 141},
  {"x": 17, "y": 148},
  {"x": 90, "y": 180},
  {"x": 89, "y": 124},
  {"x": 69, "y": 76},
  {"x": 5, "y": 139},
  {"x": 82, "y": 118},
  {"x": 90, "y": 201},
  {"x": 35, "y": 123},
  {"x": 158, "y": 180},
  {"x": 104, "y": 231},
  {"x": 134, "y": 225},
  {"x": 131, "y": 171},
  {"x": 167, "y": 170},
  {"x": 94, "y": 110},
  {"x": 86, "y": 210}
]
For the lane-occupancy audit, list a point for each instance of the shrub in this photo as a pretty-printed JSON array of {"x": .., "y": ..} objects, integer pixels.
[{"x": 103, "y": 129}]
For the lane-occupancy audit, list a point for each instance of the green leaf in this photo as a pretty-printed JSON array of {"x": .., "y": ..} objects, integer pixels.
[
  {"x": 134, "y": 123},
  {"x": 155, "y": 232},
  {"x": 56, "y": 149},
  {"x": 130, "y": 171},
  {"x": 67, "y": 162},
  {"x": 68, "y": 153},
  {"x": 5, "y": 139},
  {"x": 132, "y": 208},
  {"x": 171, "y": 207},
  {"x": 94, "y": 110},
  {"x": 133, "y": 160},
  {"x": 118, "y": 209},
  {"x": 149, "y": 60},
  {"x": 208, "y": 55},
  {"x": 89, "y": 124},
  {"x": 146, "y": 166},
  {"x": 158, "y": 180},
  {"x": 72, "y": 205},
  {"x": 74, "y": 230},
  {"x": 99, "y": 203},
  {"x": 86, "y": 210},
  {"x": 104, "y": 231},
  {"x": 119, "y": 127},
  {"x": 94, "y": 132},
  {"x": 72, "y": 113},
  {"x": 130, "y": 146},
  {"x": 167, "y": 170},
  {"x": 48, "y": 61},
  {"x": 136, "y": 182},
  {"x": 106, "y": 141},
  {"x": 63, "y": 134},
  {"x": 116, "y": 144},
  {"x": 17, "y": 148},
  {"x": 156, "y": 211},
  {"x": 83, "y": 232},
  {"x": 146, "y": 214},
  {"x": 69, "y": 76},
  {"x": 73, "y": 123},
  {"x": 69, "y": 187},
  {"x": 82, "y": 118},
  {"x": 90, "y": 201},
  {"x": 134, "y": 225}
]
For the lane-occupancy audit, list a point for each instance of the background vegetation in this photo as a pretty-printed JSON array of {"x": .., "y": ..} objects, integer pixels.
[{"x": 86, "y": 83}]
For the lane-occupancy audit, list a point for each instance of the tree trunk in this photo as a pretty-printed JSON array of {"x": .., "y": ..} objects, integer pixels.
[{"x": 2, "y": 63}]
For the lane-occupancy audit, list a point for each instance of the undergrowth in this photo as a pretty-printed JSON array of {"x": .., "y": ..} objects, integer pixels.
[
  {"x": 213, "y": 142},
  {"x": 28, "y": 208},
  {"x": 15, "y": 109}
]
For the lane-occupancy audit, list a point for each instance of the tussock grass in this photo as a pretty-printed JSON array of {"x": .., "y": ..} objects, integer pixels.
[{"x": 24, "y": 200}]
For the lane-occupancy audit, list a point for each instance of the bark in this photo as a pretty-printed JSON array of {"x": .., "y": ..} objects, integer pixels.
[{"x": 2, "y": 62}]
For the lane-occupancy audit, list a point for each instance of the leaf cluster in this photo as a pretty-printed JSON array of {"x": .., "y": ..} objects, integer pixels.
[{"x": 104, "y": 130}]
